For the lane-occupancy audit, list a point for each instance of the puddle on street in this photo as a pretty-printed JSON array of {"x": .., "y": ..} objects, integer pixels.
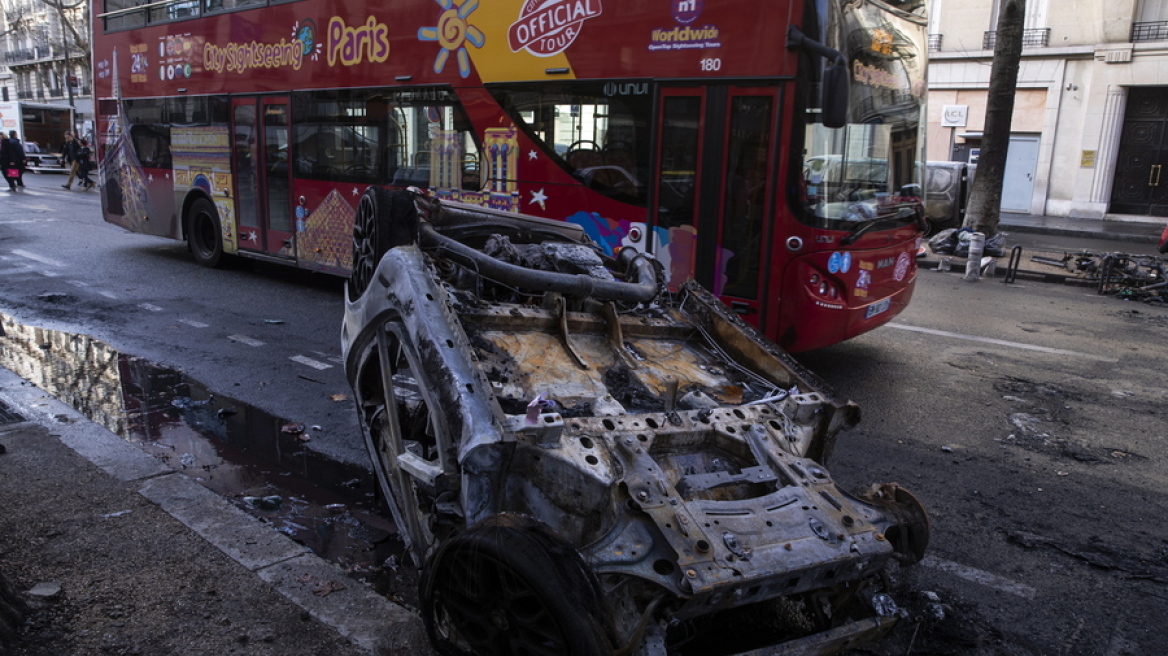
[{"x": 257, "y": 461}]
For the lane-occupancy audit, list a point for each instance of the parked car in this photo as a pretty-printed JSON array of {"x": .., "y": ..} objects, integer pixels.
[
  {"x": 584, "y": 464},
  {"x": 947, "y": 187}
]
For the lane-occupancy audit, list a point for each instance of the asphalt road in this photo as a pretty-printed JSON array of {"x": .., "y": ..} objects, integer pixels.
[
  {"x": 1030, "y": 420},
  {"x": 264, "y": 335},
  {"x": 1027, "y": 417}
]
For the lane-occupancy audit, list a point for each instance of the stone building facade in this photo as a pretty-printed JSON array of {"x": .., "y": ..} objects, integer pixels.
[
  {"x": 1090, "y": 129},
  {"x": 43, "y": 60}
]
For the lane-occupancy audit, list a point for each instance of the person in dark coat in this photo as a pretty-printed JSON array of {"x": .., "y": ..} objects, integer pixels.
[
  {"x": 11, "y": 161},
  {"x": 84, "y": 164},
  {"x": 18, "y": 157},
  {"x": 69, "y": 154}
]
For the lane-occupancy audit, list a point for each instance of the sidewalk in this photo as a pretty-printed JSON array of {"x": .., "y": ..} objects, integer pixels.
[
  {"x": 1129, "y": 231},
  {"x": 130, "y": 557}
]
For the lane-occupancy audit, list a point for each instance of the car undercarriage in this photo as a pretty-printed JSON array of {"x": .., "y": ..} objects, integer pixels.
[{"x": 584, "y": 462}]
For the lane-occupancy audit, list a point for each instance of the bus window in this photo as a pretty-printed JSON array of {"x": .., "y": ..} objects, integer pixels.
[
  {"x": 150, "y": 132},
  {"x": 171, "y": 11},
  {"x": 598, "y": 132},
  {"x": 124, "y": 18},
  {"x": 384, "y": 136}
]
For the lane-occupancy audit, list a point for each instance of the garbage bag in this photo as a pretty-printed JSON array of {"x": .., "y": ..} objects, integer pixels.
[
  {"x": 994, "y": 246},
  {"x": 955, "y": 241},
  {"x": 944, "y": 242}
]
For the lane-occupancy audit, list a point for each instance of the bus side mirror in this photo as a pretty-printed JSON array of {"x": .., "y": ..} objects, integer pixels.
[
  {"x": 834, "y": 102},
  {"x": 835, "y": 95}
]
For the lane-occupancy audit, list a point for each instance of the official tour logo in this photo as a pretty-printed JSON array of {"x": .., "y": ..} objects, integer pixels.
[{"x": 548, "y": 27}]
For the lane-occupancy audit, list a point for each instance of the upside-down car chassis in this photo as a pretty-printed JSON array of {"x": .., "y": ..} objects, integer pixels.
[{"x": 585, "y": 463}]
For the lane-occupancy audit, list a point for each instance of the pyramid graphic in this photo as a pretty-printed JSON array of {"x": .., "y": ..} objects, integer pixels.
[{"x": 327, "y": 239}]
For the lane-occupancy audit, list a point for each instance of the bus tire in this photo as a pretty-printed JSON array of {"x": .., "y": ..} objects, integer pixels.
[
  {"x": 385, "y": 219},
  {"x": 204, "y": 233},
  {"x": 504, "y": 587}
]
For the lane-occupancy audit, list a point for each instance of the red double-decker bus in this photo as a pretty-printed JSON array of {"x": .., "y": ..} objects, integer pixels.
[{"x": 770, "y": 150}]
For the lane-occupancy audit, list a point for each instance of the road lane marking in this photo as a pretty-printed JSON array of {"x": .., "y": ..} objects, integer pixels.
[
  {"x": 78, "y": 283},
  {"x": 150, "y": 306},
  {"x": 1001, "y": 342},
  {"x": 194, "y": 324},
  {"x": 981, "y": 577},
  {"x": 38, "y": 258},
  {"x": 109, "y": 295},
  {"x": 315, "y": 364},
  {"x": 243, "y": 339}
]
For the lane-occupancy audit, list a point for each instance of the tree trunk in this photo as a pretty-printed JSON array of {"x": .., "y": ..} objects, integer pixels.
[{"x": 985, "y": 200}]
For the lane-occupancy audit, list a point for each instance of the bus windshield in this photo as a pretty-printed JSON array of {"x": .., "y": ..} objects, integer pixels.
[{"x": 872, "y": 167}]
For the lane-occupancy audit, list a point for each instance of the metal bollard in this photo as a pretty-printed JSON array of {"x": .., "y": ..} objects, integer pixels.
[{"x": 973, "y": 263}]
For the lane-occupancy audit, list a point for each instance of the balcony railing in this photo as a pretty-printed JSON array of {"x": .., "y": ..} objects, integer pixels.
[
  {"x": 934, "y": 43},
  {"x": 1036, "y": 38},
  {"x": 1150, "y": 31},
  {"x": 28, "y": 54}
]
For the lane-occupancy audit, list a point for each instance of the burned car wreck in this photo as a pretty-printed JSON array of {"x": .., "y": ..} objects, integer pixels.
[{"x": 582, "y": 462}]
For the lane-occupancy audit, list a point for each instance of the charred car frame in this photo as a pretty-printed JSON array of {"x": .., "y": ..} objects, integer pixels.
[{"x": 583, "y": 462}]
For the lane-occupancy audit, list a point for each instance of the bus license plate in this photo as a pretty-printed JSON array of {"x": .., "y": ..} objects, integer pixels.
[{"x": 877, "y": 307}]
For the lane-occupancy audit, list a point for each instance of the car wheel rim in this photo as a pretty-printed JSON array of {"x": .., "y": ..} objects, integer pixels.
[{"x": 364, "y": 245}]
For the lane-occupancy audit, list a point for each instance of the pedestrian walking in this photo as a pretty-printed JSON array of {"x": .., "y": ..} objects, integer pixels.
[
  {"x": 84, "y": 165},
  {"x": 18, "y": 159},
  {"x": 12, "y": 160},
  {"x": 69, "y": 154}
]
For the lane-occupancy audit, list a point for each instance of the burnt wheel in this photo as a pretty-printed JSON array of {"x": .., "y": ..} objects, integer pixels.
[
  {"x": 394, "y": 403},
  {"x": 204, "y": 234},
  {"x": 385, "y": 219},
  {"x": 503, "y": 589}
]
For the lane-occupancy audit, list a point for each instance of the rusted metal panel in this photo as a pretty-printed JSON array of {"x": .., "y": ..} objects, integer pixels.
[{"x": 559, "y": 417}]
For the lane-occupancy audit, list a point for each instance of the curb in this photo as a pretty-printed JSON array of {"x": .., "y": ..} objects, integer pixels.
[
  {"x": 1077, "y": 232},
  {"x": 370, "y": 621}
]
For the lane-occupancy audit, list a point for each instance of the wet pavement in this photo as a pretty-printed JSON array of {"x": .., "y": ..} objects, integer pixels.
[{"x": 234, "y": 476}]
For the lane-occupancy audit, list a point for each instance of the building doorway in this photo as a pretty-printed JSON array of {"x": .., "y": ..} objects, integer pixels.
[{"x": 1140, "y": 186}]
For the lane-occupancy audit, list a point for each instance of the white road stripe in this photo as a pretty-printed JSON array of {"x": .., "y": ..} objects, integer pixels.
[
  {"x": 109, "y": 295},
  {"x": 193, "y": 323},
  {"x": 315, "y": 364},
  {"x": 243, "y": 339},
  {"x": 979, "y": 576},
  {"x": 78, "y": 283},
  {"x": 150, "y": 306},
  {"x": 39, "y": 258},
  {"x": 1001, "y": 342}
]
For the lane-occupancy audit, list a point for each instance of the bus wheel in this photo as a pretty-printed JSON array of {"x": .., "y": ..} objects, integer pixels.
[
  {"x": 385, "y": 219},
  {"x": 503, "y": 588},
  {"x": 204, "y": 236}
]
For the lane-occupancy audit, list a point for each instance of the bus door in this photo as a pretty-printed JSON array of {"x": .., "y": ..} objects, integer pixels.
[
  {"x": 262, "y": 184},
  {"x": 714, "y": 189}
]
